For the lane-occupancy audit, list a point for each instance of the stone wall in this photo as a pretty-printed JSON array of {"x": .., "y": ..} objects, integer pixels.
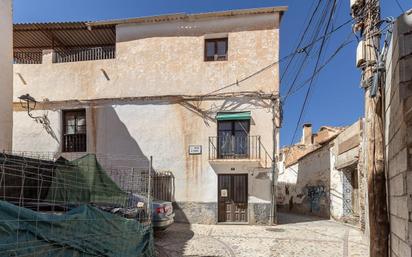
[{"x": 398, "y": 136}]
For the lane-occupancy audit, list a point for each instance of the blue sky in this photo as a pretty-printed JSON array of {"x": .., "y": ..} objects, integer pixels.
[{"x": 336, "y": 98}]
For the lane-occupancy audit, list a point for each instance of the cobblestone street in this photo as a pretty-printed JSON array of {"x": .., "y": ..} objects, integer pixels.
[{"x": 298, "y": 236}]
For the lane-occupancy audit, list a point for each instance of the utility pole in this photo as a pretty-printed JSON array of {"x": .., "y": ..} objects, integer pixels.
[
  {"x": 367, "y": 13},
  {"x": 273, "y": 211}
]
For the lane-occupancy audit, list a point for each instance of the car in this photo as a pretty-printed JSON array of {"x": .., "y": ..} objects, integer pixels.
[{"x": 162, "y": 214}]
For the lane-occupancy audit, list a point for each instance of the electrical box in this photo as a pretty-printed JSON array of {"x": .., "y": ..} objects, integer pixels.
[
  {"x": 355, "y": 4},
  {"x": 360, "y": 54}
]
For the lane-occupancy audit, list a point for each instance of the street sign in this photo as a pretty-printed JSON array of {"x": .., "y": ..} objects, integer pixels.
[{"x": 195, "y": 149}]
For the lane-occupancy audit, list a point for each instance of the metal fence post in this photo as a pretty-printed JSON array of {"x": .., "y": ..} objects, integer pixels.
[{"x": 149, "y": 188}]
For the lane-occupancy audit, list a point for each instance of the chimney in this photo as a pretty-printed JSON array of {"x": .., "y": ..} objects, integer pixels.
[{"x": 307, "y": 134}]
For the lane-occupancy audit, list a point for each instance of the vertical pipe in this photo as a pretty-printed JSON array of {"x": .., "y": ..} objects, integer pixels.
[
  {"x": 273, "y": 214},
  {"x": 149, "y": 188}
]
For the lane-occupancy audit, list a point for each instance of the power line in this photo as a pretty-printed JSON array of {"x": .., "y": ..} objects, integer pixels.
[
  {"x": 313, "y": 42},
  {"x": 400, "y": 6},
  {"x": 301, "y": 67},
  {"x": 282, "y": 59},
  {"x": 302, "y": 36},
  {"x": 308, "y": 50},
  {"x": 314, "y": 71},
  {"x": 331, "y": 57}
]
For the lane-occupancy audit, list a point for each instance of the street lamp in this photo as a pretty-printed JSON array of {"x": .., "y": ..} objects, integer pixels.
[{"x": 28, "y": 103}]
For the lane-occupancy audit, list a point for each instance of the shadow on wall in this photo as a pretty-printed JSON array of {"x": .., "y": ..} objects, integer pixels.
[
  {"x": 311, "y": 193},
  {"x": 241, "y": 103},
  {"x": 114, "y": 139}
]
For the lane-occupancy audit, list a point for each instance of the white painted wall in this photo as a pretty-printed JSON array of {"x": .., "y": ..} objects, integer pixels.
[
  {"x": 6, "y": 74},
  {"x": 320, "y": 167},
  {"x": 336, "y": 188},
  {"x": 163, "y": 131}
]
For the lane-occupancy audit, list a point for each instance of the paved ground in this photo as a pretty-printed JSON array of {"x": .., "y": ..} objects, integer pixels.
[{"x": 298, "y": 236}]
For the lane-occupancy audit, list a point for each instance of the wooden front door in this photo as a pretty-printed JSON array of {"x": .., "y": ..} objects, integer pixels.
[{"x": 232, "y": 198}]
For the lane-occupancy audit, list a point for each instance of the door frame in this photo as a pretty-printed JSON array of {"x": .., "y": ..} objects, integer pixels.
[{"x": 247, "y": 200}]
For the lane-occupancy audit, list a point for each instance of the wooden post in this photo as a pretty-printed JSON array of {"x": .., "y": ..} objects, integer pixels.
[
  {"x": 374, "y": 133},
  {"x": 274, "y": 220}
]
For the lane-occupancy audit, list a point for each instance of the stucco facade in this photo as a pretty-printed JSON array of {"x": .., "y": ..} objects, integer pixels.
[
  {"x": 6, "y": 74},
  {"x": 159, "y": 96}
]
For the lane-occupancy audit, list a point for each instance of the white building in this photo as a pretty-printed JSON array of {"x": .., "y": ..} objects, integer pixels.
[
  {"x": 323, "y": 175},
  {"x": 6, "y": 74},
  {"x": 172, "y": 87}
]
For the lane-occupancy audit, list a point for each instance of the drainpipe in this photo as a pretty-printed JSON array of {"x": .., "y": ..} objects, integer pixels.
[{"x": 273, "y": 211}]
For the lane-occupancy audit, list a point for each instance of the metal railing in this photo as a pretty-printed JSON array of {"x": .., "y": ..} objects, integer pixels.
[
  {"x": 28, "y": 57},
  {"x": 234, "y": 147},
  {"x": 84, "y": 54},
  {"x": 163, "y": 186},
  {"x": 74, "y": 143}
]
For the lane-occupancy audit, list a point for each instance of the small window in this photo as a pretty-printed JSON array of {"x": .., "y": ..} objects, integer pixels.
[
  {"x": 216, "y": 49},
  {"x": 74, "y": 131}
]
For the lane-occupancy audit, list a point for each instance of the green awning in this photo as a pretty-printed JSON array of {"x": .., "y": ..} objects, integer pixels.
[{"x": 233, "y": 116}]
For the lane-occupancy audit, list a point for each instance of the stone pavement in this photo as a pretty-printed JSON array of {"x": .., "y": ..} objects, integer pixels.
[{"x": 298, "y": 236}]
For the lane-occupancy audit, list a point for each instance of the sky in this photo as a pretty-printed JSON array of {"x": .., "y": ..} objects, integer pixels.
[{"x": 336, "y": 98}]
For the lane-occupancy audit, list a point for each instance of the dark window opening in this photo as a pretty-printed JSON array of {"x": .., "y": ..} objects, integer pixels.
[
  {"x": 74, "y": 131},
  {"x": 233, "y": 138},
  {"x": 216, "y": 49}
]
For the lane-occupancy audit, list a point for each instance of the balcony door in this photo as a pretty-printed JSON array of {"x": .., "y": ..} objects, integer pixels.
[{"x": 233, "y": 139}]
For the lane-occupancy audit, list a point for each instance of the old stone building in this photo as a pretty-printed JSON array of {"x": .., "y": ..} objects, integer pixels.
[
  {"x": 175, "y": 87},
  {"x": 319, "y": 176},
  {"x": 6, "y": 74}
]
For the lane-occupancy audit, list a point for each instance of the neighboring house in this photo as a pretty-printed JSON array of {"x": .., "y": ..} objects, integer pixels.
[
  {"x": 6, "y": 75},
  {"x": 175, "y": 87},
  {"x": 319, "y": 176}
]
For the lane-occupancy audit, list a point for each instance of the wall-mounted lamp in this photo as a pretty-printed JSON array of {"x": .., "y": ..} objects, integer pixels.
[{"x": 28, "y": 103}]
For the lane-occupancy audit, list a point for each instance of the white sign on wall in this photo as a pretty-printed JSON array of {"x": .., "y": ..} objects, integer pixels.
[
  {"x": 195, "y": 149},
  {"x": 223, "y": 193}
]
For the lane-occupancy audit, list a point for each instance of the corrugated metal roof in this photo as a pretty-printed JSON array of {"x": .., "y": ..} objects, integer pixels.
[
  {"x": 62, "y": 34},
  {"x": 184, "y": 16}
]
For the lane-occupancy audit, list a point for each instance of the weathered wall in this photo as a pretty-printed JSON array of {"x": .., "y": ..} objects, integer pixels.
[
  {"x": 6, "y": 74},
  {"x": 321, "y": 182},
  {"x": 398, "y": 137},
  {"x": 347, "y": 153},
  {"x": 165, "y": 131},
  {"x": 310, "y": 193},
  {"x": 336, "y": 188},
  {"x": 161, "y": 65}
]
